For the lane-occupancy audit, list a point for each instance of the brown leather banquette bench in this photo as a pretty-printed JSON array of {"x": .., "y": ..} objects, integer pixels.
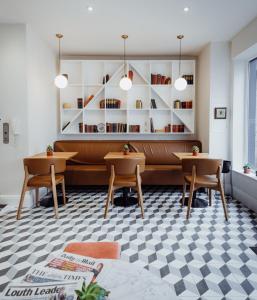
[{"x": 88, "y": 166}]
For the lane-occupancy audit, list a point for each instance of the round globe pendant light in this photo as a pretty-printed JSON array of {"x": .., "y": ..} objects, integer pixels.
[
  {"x": 125, "y": 82},
  {"x": 61, "y": 80},
  {"x": 180, "y": 83}
]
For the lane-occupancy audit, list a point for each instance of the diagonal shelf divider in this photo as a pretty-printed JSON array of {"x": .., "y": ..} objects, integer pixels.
[
  {"x": 73, "y": 119},
  {"x": 117, "y": 72},
  {"x": 184, "y": 121},
  {"x": 158, "y": 94},
  {"x": 139, "y": 73}
]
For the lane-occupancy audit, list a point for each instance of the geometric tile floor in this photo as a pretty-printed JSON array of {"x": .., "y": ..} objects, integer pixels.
[{"x": 203, "y": 258}]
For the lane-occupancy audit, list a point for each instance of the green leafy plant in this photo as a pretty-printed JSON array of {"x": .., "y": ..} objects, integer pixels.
[
  {"x": 126, "y": 147},
  {"x": 49, "y": 148},
  {"x": 247, "y": 166},
  {"x": 91, "y": 292},
  {"x": 195, "y": 149}
]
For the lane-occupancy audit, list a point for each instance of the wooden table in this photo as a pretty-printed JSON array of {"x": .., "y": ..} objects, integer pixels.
[
  {"x": 196, "y": 201},
  {"x": 125, "y": 200},
  {"x": 184, "y": 155},
  {"x": 65, "y": 155}
]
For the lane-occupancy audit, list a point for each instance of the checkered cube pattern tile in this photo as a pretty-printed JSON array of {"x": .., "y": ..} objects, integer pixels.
[{"x": 203, "y": 258}]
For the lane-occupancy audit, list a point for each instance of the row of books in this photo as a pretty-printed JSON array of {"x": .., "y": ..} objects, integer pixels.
[
  {"x": 189, "y": 79},
  {"x": 183, "y": 104},
  {"x": 160, "y": 79},
  {"x": 110, "y": 103},
  {"x": 87, "y": 128},
  {"x": 116, "y": 127},
  {"x": 168, "y": 128},
  {"x": 134, "y": 128}
]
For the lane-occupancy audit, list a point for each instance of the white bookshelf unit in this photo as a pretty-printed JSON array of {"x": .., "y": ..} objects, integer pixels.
[{"x": 86, "y": 78}]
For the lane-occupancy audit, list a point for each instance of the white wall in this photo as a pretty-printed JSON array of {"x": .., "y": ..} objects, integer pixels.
[
  {"x": 42, "y": 94},
  {"x": 220, "y": 85},
  {"x": 203, "y": 97},
  {"x": 13, "y": 105},
  {"x": 28, "y": 96},
  {"x": 214, "y": 91}
]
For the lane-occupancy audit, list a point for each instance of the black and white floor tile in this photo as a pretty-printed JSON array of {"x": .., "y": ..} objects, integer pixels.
[{"x": 203, "y": 258}]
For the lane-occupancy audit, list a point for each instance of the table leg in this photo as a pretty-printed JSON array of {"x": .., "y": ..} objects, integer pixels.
[
  {"x": 125, "y": 200},
  {"x": 197, "y": 202}
]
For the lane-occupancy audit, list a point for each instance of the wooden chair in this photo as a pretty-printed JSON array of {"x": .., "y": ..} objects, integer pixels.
[
  {"x": 104, "y": 250},
  {"x": 203, "y": 173},
  {"x": 125, "y": 173},
  {"x": 43, "y": 172}
]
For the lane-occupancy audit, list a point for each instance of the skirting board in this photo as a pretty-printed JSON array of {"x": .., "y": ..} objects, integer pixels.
[{"x": 13, "y": 200}]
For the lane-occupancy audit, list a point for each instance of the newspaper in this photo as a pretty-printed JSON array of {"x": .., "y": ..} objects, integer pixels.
[
  {"x": 56, "y": 279},
  {"x": 44, "y": 291}
]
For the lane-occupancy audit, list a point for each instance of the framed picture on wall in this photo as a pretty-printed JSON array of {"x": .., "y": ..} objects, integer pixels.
[{"x": 220, "y": 113}]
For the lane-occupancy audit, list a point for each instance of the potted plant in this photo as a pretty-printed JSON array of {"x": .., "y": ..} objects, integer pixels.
[
  {"x": 247, "y": 168},
  {"x": 92, "y": 291},
  {"x": 126, "y": 149},
  {"x": 49, "y": 150},
  {"x": 195, "y": 150}
]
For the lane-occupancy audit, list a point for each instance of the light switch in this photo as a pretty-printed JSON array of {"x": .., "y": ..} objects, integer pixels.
[{"x": 6, "y": 133}]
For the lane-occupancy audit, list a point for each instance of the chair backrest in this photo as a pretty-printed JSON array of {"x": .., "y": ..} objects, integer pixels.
[
  {"x": 126, "y": 166},
  {"x": 203, "y": 166},
  {"x": 42, "y": 166}
]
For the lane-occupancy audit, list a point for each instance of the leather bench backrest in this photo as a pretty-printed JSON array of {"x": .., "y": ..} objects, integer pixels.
[
  {"x": 161, "y": 152},
  {"x": 156, "y": 152},
  {"x": 89, "y": 152}
]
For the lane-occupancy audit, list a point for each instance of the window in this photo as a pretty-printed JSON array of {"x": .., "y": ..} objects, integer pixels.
[{"x": 252, "y": 128}]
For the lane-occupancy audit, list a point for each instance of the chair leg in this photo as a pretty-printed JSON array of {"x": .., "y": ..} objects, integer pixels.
[
  {"x": 112, "y": 197},
  {"x": 109, "y": 197},
  {"x": 24, "y": 189},
  {"x": 190, "y": 200},
  {"x": 37, "y": 197},
  {"x": 184, "y": 194},
  {"x": 141, "y": 201},
  {"x": 210, "y": 197},
  {"x": 223, "y": 199},
  {"x": 55, "y": 201},
  {"x": 63, "y": 192}
]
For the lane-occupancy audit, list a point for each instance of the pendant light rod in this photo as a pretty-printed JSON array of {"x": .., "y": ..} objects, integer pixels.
[
  {"x": 59, "y": 36},
  {"x": 180, "y": 37},
  {"x": 124, "y": 36}
]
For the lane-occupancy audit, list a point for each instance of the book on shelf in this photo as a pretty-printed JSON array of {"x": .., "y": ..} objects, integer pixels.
[
  {"x": 88, "y": 99},
  {"x": 90, "y": 128},
  {"x": 110, "y": 103},
  {"x": 134, "y": 128},
  {"x": 160, "y": 79},
  {"x": 153, "y": 104},
  {"x": 116, "y": 127},
  {"x": 151, "y": 125},
  {"x": 189, "y": 79}
]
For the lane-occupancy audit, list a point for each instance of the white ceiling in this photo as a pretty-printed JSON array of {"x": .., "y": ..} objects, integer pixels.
[{"x": 152, "y": 25}]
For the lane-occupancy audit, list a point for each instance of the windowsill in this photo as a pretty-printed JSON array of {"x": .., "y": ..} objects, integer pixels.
[{"x": 251, "y": 175}]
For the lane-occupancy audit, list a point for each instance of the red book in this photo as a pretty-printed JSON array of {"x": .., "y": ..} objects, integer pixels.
[{"x": 159, "y": 78}]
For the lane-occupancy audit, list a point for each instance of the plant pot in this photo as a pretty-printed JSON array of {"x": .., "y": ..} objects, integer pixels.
[
  {"x": 247, "y": 171},
  {"x": 49, "y": 153},
  {"x": 125, "y": 152},
  {"x": 195, "y": 153}
]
